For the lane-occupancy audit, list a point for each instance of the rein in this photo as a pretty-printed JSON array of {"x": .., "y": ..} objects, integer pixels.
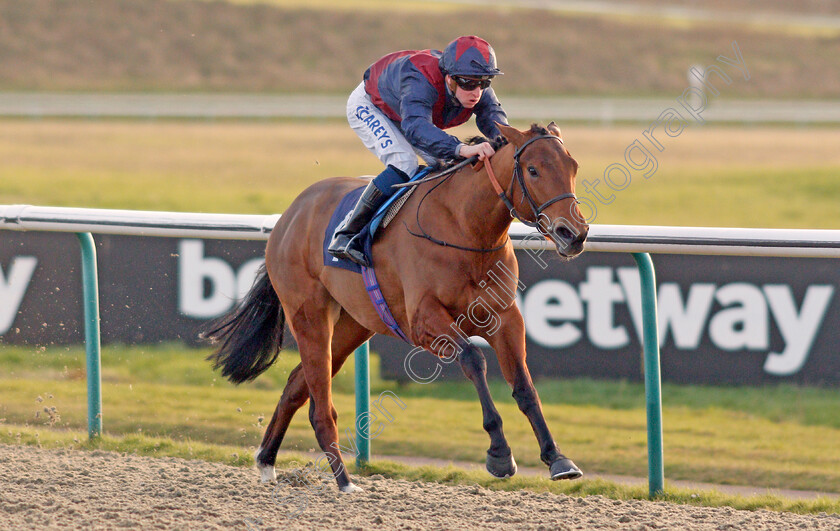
[
  {"x": 425, "y": 235},
  {"x": 448, "y": 171},
  {"x": 537, "y": 210}
]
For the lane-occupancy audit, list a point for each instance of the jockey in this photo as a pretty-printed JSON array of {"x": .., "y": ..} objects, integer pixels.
[{"x": 399, "y": 111}]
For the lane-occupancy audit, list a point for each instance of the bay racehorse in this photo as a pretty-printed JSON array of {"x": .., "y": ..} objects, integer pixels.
[{"x": 430, "y": 283}]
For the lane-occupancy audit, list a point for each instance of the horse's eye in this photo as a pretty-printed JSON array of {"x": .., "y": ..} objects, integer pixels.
[{"x": 533, "y": 171}]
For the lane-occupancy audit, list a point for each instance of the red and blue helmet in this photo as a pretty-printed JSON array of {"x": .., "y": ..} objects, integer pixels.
[{"x": 469, "y": 56}]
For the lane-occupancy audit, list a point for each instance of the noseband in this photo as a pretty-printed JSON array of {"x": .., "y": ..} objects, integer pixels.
[{"x": 518, "y": 177}]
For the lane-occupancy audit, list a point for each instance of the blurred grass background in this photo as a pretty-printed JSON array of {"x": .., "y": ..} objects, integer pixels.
[
  {"x": 708, "y": 176},
  {"x": 325, "y": 46},
  {"x": 737, "y": 175}
]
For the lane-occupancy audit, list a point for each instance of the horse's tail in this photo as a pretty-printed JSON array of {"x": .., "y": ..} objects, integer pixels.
[{"x": 251, "y": 334}]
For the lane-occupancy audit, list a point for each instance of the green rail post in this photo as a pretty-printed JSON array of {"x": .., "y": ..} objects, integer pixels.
[
  {"x": 362, "y": 359},
  {"x": 653, "y": 385},
  {"x": 90, "y": 294}
]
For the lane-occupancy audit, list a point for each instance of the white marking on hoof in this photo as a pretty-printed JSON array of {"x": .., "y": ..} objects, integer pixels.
[
  {"x": 351, "y": 488},
  {"x": 267, "y": 473}
]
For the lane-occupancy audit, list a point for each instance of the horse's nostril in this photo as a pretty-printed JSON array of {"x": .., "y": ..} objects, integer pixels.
[{"x": 563, "y": 233}]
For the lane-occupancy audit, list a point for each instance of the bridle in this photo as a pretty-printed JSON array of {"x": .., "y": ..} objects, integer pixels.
[
  {"x": 518, "y": 177},
  {"x": 536, "y": 210}
]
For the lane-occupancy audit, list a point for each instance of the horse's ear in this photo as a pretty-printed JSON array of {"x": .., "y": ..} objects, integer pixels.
[
  {"x": 554, "y": 130},
  {"x": 511, "y": 134}
]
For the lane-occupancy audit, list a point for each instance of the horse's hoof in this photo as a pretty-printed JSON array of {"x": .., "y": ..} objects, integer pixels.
[
  {"x": 267, "y": 473},
  {"x": 564, "y": 468},
  {"x": 350, "y": 488},
  {"x": 501, "y": 467}
]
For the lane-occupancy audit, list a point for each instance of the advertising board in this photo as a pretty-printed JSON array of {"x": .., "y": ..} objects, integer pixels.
[{"x": 734, "y": 320}]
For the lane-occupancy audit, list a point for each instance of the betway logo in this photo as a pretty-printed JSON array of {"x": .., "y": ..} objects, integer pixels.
[
  {"x": 13, "y": 287},
  {"x": 555, "y": 317},
  {"x": 207, "y": 286},
  {"x": 558, "y": 314}
]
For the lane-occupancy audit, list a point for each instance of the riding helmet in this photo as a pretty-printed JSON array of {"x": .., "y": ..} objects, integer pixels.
[{"x": 469, "y": 56}]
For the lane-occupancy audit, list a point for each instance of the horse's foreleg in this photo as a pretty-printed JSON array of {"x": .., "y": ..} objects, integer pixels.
[
  {"x": 500, "y": 460},
  {"x": 431, "y": 327},
  {"x": 509, "y": 344},
  {"x": 526, "y": 397}
]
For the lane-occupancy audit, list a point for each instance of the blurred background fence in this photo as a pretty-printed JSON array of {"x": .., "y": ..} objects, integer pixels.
[{"x": 604, "y": 111}]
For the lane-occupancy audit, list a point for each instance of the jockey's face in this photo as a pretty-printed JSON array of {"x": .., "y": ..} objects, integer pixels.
[{"x": 467, "y": 98}]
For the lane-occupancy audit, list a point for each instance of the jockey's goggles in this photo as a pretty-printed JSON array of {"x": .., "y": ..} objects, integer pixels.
[{"x": 469, "y": 83}]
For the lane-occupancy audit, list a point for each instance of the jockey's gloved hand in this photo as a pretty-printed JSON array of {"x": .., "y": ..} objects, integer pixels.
[{"x": 483, "y": 151}]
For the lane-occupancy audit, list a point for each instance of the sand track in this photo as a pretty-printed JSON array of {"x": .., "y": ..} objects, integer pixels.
[{"x": 71, "y": 489}]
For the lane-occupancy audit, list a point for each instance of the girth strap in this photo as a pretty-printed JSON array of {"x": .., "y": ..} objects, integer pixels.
[{"x": 381, "y": 305}]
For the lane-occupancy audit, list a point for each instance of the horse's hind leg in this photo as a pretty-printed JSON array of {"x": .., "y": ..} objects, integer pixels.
[
  {"x": 509, "y": 344},
  {"x": 347, "y": 336},
  {"x": 295, "y": 395},
  {"x": 313, "y": 325},
  {"x": 432, "y": 323}
]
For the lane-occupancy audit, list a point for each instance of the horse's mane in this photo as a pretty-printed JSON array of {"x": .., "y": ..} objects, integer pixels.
[
  {"x": 497, "y": 143},
  {"x": 537, "y": 129}
]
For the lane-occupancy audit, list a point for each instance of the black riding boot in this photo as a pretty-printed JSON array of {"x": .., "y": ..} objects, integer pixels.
[{"x": 347, "y": 242}]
